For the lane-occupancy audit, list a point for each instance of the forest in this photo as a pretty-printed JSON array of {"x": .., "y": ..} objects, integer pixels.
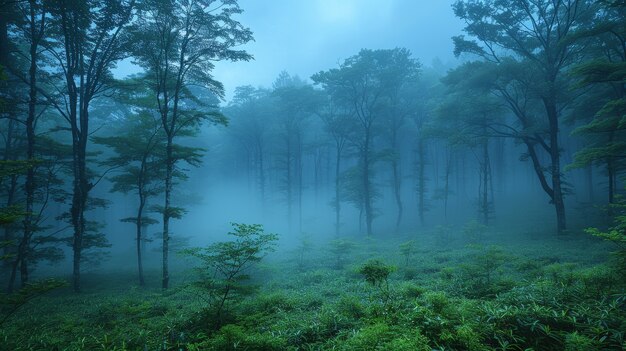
[{"x": 240, "y": 175}]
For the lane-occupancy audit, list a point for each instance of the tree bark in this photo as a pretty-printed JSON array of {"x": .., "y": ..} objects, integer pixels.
[
  {"x": 367, "y": 191},
  {"x": 555, "y": 167}
]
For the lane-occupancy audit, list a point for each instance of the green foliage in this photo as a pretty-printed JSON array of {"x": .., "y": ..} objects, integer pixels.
[
  {"x": 577, "y": 305},
  {"x": 11, "y": 303},
  {"x": 224, "y": 265},
  {"x": 381, "y": 336},
  {"x": 233, "y": 338},
  {"x": 376, "y": 272},
  {"x": 616, "y": 234},
  {"x": 407, "y": 249},
  {"x": 340, "y": 249},
  {"x": 480, "y": 275}
]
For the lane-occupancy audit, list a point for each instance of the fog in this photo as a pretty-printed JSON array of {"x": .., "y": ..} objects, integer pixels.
[{"x": 232, "y": 174}]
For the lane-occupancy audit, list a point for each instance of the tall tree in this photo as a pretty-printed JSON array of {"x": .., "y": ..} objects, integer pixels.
[
  {"x": 400, "y": 102},
  {"x": 295, "y": 101},
  {"x": 536, "y": 33},
  {"x": 339, "y": 125},
  {"x": 606, "y": 73},
  {"x": 467, "y": 117},
  {"x": 30, "y": 28},
  {"x": 363, "y": 82},
  {"x": 177, "y": 43},
  {"x": 90, "y": 38},
  {"x": 136, "y": 150},
  {"x": 250, "y": 112}
]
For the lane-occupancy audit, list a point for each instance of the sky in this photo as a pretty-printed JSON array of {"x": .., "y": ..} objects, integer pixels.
[{"x": 304, "y": 37}]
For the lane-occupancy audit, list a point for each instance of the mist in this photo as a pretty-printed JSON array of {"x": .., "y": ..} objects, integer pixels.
[{"x": 312, "y": 175}]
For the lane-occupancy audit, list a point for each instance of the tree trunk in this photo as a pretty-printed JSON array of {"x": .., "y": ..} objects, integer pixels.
[
  {"x": 367, "y": 191},
  {"x": 421, "y": 179},
  {"x": 484, "y": 207},
  {"x": 29, "y": 186},
  {"x": 139, "y": 223},
  {"x": 261, "y": 173},
  {"x": 289, "y": 187},
  {"x": 299, "y": 180},
  {"x": 555, "y": 169},
  {"x": 166, "y": 210},
  {"x": 446, "y": 189},
  {"x": 337, "y": 189},
  {"x": 9, "y": 231},
  {"x": 612, "y": 176}
]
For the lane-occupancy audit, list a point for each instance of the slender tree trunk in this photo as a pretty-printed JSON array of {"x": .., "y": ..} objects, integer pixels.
[
  {"x": 169, "y": 170},
  {"x": 337, "y": 189},
  {"x": 139, "y": 224},
  {"x": 261, "y": 172},
  {"x": 397, "y": 178},
  {"x": 30, "y": 185},
  {"x": 610, "y": 167},
  {"x": 9, "y": 231},
  {"x": 421, "y": 179},
  {"x": 446, "y": 189},
  {"x": 5, "y": 9},
  {"x": 299, "y": 180},
  {"x": 289, "y": 187},
  {"x": 555, "y": 169},
  {"x": 485, "y": 184},
  {"x": 367, "y": 191}
]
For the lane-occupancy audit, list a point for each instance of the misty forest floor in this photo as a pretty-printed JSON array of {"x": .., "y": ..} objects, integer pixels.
[{"x": 445, "y": 293}]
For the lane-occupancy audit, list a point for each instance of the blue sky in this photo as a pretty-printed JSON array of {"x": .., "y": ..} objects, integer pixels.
[{"x": 306, "y": 36}]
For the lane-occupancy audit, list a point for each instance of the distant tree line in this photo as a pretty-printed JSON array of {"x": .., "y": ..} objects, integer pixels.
[{"x": 378, "y": 127}]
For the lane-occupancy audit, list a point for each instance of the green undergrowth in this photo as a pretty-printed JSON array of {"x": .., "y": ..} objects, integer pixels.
[{"x": 409, "y": 293}]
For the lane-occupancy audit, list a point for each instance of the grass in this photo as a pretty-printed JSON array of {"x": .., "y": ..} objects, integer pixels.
[{"x": 497, "y": 294}]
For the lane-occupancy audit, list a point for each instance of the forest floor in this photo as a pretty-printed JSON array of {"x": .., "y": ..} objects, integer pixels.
[{"x": 444, "y": 292}]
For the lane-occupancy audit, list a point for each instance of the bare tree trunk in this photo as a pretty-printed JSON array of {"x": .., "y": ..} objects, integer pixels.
[
  {"x": 289, "y": 189},
  {"x": 166, "y": 211},
  {"x": 30, "y": 185},
  {"x": 299, "y": 180},
  {"x": 421, "y": 179},
  {"x": 337, "y": 190},
  {"x": 367, "y": 191},
  {"x": 555, "y": 169},
  {"x": 484, "y": 206},
  {"x": 139, "y": 224}
]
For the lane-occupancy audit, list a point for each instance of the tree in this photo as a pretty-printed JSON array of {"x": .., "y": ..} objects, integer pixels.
[
  {"x": 295, "y": 102},
  {"x": 339, "y": 125},
  {"x": 11, "y": 302},
  {"x": 606, "y": 73},
  {"x": 224, "y": 264},
  {"x": 137, "y": 153},
  {"x": 468, "y": 117},
  {"x": 90, "y": 37},
  {"x": 249, "y": 112},
  {"x": 177, "y": 43},
  {"x": 362, "y": 83},
  {"x": 31, "y": 28},
  {"x": 401, "y": 103},
  {"x": 535, "y": 34}
]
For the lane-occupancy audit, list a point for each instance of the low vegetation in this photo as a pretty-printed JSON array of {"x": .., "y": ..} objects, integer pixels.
[{"x": 547, "y": 295}]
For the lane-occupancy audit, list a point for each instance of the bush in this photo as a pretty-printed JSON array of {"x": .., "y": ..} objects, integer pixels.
[
  {"x": 234, "y": 338},
  {"x": 381, "y": 336},
  {"x": 224, "y": 265}
]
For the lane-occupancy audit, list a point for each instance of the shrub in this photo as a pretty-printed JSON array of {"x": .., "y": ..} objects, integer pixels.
[
  {"x": 223, "y": 265},
  {"x": 381, "y": 336},
  {"x": 340, "y": 249}
]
